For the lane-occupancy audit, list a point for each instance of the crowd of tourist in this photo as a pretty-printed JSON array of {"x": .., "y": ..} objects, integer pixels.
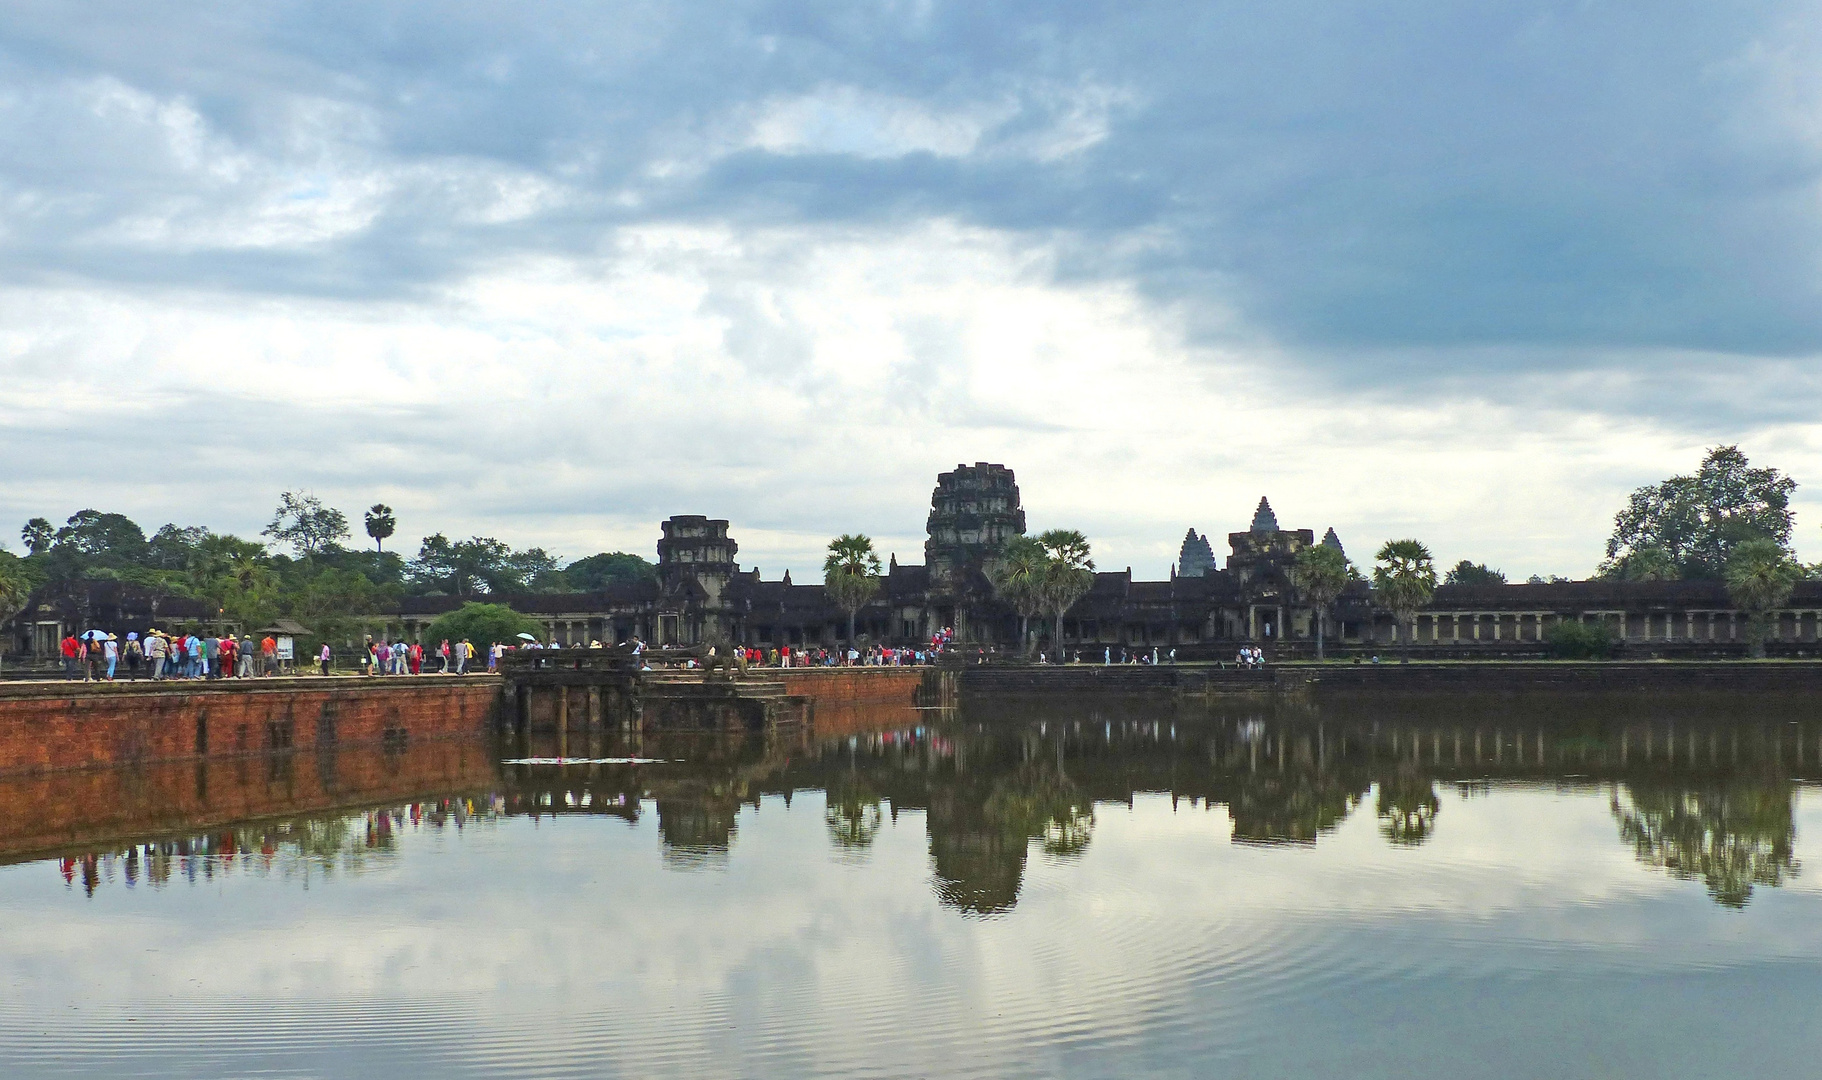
[
  {"x": 410, "y": 658},
  {"x": 101, "y": 656},
  {"x": 95, "y": 656}
]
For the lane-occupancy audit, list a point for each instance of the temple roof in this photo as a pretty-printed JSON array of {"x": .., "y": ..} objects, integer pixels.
[
  {"x": 1263, "y": 518},
  {"x": 1329, "y": 539}
]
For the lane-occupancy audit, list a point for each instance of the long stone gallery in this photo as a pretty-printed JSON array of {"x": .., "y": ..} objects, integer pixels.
[{"x": 1204, "y": 610}]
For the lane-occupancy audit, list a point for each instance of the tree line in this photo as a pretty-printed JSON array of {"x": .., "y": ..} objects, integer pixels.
[
  {"x": 1728, "y": 522},
  {"x": 300, "y": 568}
]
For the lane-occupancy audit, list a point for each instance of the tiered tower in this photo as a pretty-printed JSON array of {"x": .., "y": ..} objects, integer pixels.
[
  {"x": 1197, "y": 558},
  {"x": 696, "y": 550},
  {"x": 973, "y": 511}
]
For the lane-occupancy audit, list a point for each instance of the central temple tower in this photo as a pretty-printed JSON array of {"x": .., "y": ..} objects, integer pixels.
[{"x": 973, "y": 511}]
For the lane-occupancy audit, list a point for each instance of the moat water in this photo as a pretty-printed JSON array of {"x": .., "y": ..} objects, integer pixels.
[{"x": 1547, "y": 888}]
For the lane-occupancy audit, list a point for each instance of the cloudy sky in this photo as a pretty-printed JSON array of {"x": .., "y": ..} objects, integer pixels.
[{"x": 1463, "y": 271}]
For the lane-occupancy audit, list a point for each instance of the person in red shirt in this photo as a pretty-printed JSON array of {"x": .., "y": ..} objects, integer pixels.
[
  {"x": 71, "y": 650},
  {"x": 268, "y": 648}
]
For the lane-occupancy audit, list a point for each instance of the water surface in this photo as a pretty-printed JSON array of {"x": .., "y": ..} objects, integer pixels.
[{"x": 1560, "y": 887}]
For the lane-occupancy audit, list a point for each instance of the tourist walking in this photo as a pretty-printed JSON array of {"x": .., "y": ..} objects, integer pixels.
[
  {"x": 157, "y": 647},
  {"x": 135, "y": 652},
  {"x": 268, "y": 651},
  {"x": 323, "y": 658}
]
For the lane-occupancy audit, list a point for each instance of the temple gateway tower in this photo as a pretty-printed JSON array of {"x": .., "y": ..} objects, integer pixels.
[{"x": 973, "y": 511}]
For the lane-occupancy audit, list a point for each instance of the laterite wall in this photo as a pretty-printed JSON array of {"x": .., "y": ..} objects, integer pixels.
[{"x": 54, "y": 726}]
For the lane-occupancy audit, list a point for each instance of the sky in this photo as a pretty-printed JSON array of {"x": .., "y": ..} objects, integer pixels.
[{"x": 1468, "y": 272}]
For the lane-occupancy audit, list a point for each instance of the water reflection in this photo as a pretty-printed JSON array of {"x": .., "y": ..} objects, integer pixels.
[
  {"x": 1730, "y": 835},
  {"x": 1698, "y": 792}
]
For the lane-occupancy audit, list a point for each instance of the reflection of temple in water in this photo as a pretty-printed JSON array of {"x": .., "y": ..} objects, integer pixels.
[{"x": 1695, "y": 791}]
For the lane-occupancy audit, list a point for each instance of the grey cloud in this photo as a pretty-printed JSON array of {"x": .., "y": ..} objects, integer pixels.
[{"x": 1356, "y": 174}]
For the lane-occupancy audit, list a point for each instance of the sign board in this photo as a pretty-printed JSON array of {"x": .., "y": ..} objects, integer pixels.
[{"x": 286, "y": 649}]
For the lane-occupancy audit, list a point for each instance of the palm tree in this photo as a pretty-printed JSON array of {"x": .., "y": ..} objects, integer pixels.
[
  {"x": 1067, "y": 577},
  {"x": 1018, "y": 576},
  {"x": 1404, "y": 580},
  {"x": 1760, "y": 575},
  {"x": 1319, "y": 575},
  {"x": 380, "y": 524},
  {"x": 850, "y": 575}
]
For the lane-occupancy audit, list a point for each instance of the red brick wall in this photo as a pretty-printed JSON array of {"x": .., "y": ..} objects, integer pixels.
[
  {"x": 847, "y": 701},
  {"x": 62, "y": 726},
  {"x": 60, "y": 812}
]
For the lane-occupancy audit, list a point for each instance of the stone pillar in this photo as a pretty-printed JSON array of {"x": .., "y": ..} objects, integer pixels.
[
  {"x": 562, "y": 721},
  {"x": 1476, "y": 618}
]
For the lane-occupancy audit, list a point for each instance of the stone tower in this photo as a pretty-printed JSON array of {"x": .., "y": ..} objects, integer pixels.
[
  {"x": 695, "y": 551},
  {"x": 972, "y": 512},
  {"x": 1197, "y": 558},
  {"x": 1330, "y": 540},
  {"x": 1264, "y": 521}
]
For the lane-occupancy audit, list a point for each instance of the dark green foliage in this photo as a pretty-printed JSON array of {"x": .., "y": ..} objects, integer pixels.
[
  {"x": 1698, "y": 520},
  {"x": 482, "y": 564},
  {"x": 1467, "y": 573},
  {"x": 37, "y": 535},
  {"x": 1579, "y": 641},
  {"x": 481, "y": 624},
  {"x": 598, "y": 572}
]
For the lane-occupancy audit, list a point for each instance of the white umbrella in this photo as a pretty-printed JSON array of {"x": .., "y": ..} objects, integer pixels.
[
  {"x": 93, "y": 635},
  {"x": 528, "y": 637}
]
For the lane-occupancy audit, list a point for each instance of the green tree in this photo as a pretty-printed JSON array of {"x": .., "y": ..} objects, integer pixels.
[
  {"x": 1700, "y": 519},
  {"x": 481, "y": 624},
  {"x": 1068, "y": 575},
  {"x": 380, "y": 524},
  {"x": 850, "y": 575},
  {"x": 598, "y": 572},
  {"x": 302, "y": 521},
  {"x": 482, "y": 564},
  {"x": 1018, "y": 577},
  {"x": 37, "y": 536},
  {"x": 1319, "y": 575},
  {"x": 1652, "y": 563},
  {"x": 1404, "y": 580},
  {"x": 1467, "y": 573},
  {"x": 332, "y": 601},
  {"x": 15, "y": 586},
  {"x": 1760, "y": 577}
]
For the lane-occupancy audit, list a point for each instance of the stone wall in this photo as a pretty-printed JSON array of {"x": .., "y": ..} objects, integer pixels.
[
  {"x": 52, "y": 726},
  {"x": 847, "y": 701},
  {"x": 49, "y": 813}
]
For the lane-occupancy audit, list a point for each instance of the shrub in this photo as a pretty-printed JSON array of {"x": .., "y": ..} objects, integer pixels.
[
  {"x": 481, "y": 624},
  {"x": 1579, "y": 641}
]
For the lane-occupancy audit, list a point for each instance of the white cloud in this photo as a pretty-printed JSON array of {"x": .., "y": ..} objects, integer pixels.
[
  {"x": 848, "y": 120},
  {"x": 802, "y": 382}
]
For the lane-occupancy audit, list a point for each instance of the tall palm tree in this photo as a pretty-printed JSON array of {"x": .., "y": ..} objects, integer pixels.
[
  {"x": 1760, "y": 575},
  {"x": 1018, "y": 577},
  {"x": 1067, "y": 577},
  {"x": 1404, "y": 580},
  {"x": 1319, "y": 575},
  {"x": 380, "y": 524},
  {"x": 850, "y": 575}
]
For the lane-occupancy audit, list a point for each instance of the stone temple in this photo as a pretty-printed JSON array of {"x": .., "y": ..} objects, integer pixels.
[{"x": 1203, "y": 610}]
